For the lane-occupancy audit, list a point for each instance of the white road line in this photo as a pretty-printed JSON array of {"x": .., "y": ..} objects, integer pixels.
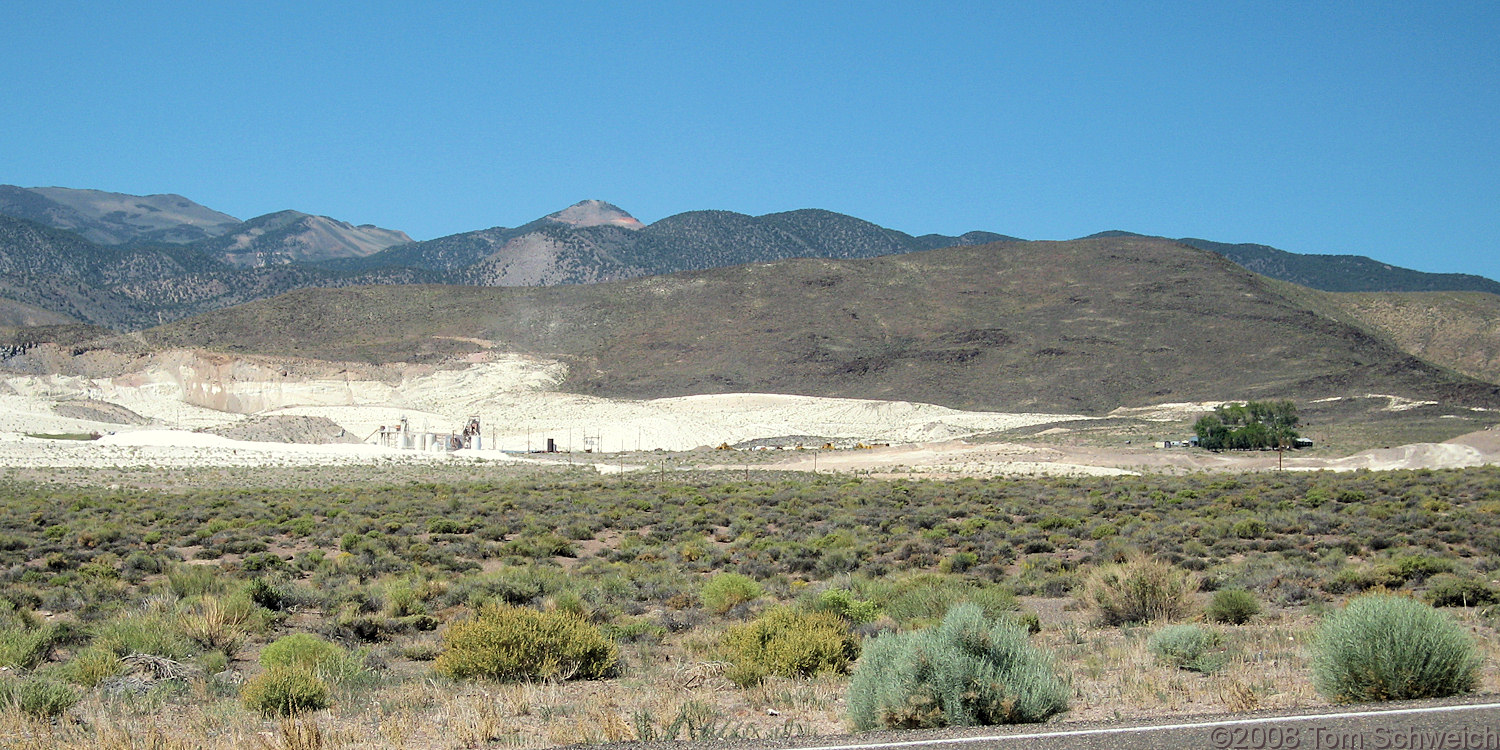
[{"x": 1160, "y": 727}]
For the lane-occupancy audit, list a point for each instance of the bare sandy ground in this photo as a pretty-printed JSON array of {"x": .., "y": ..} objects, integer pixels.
[
  {"x": 149, "y": 415},
  {"x": 958, "y": 458}
]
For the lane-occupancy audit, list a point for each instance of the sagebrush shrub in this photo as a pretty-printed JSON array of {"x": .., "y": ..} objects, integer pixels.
[
  {"x": 725, "y": 590},
  {"x": 1385, "y": 647},
  {"x": 515, "y": 643},
  {"x": 1140, "y": 590},
  {"x": 1190, "y": 647},
  {"x": 967, "y": 671},
  {"x": 37, "y": 696},
  {"x": 1232, "y": 606},
  {"x": 789, "y": 643},
  {"x": 285, "y": 690}
]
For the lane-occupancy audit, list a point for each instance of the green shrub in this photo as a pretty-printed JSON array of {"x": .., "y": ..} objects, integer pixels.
[
  {"x": 266, "y": 594},
  {"x": 195, "y": 580},
  {"x": 213, "y": 662},
  {"x": 1190, "y": 647},
  {"x": 511, "y": 584},
  {"x": 514, "y": 643},
  {"x": 1352, "y": 579},
  {"x": 327, "y": 660},
  {"x": 1249, "y": 528},
  {"x": 449, "y": 526},
  {"x": 285, "y": 690},
  {"x": 1140, "y": 590},
  {"x": 1232, "y": 606},
  {"x": 37, "y": 696},
  {"x": 725, "y": 590},
  {"x": 969, "y": 670},
  {"x": 151, "y": 634},
  {"x": 842, "y": 603},
  {"x": 1104, "y": 531},
  {"x": 927, "y": 597},
  {"x": 26, "y": 647},
  {"x": 92, "y": 666},
  {"x": 1418, "y": 568},
  {"x": 789, "y": 643},
  {"x": 403, "y": 600},
  {"x": 1446, "y": 590},
  {"x": 634, "y": 630},
  {"x": 958, "y": 562},
  {"x": 1385, "y": 647},
  {"x": 1029, "y": 620}
]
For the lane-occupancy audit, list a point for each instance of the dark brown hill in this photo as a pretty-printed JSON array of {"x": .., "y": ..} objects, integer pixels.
[{"x": 1086, "y": 325}]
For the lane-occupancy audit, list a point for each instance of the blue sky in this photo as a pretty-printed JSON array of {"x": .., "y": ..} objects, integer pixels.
[{"x": 1362, "y": 127}]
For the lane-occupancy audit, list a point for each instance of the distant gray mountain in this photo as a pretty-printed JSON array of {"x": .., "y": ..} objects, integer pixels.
[
  {"x": 119, "y": 219},
  {"x": 1331, "y": 273},
  {"x": 576, "y": 245},
  {"x": 293, "y": 237},
  {"x": 595, "y": 241},
  {"x": 116, "y": 218},
  {"x": 1342, "y": 273},
  {"x": 712, "y": 239},
  {"x": 141, "y": 285},
  {"x": 139, "y": 278}
]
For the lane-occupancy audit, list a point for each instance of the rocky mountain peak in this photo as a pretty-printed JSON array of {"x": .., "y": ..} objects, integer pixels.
[{"x": 592, "y": 213}]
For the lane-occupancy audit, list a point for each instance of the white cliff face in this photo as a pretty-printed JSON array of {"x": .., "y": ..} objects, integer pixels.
[{"x": 593, "y": 213}]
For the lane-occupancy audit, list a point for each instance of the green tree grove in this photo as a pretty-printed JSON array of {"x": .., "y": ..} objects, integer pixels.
[{"x": 1248, "y": 426}]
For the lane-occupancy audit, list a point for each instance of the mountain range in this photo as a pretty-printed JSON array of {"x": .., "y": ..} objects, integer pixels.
[
  {"x": 1078, "y": 326},
  {"x": 128, "y": 262},
  {"x": 118, "y": 219}
]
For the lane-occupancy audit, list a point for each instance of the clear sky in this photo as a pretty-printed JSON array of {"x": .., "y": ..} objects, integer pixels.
[{"x": 1361, "y": 127}]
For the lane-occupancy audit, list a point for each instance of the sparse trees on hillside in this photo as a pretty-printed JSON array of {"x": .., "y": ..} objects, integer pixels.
[{"x": 1249, "y": 426}]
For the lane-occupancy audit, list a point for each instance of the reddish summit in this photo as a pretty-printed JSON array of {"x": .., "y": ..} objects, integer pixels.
[{"x": 593, "y": 213}]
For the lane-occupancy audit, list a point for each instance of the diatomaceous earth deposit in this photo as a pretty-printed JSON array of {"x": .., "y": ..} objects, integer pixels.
[{"x": 185, "y": 409}]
